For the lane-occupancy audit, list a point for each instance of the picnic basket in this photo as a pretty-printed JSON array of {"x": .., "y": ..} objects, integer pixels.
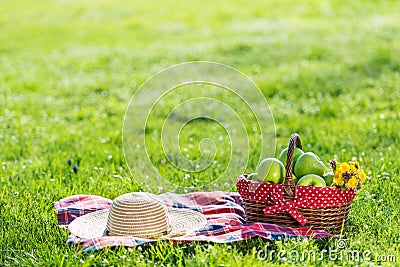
[{"x": 295, "y": 206}]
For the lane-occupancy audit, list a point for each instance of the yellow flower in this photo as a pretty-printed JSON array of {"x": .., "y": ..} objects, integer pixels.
[
  {"x": 338, "y": 180},
  {"x": 337, "y": 172},
  {"x": 352, "y": 183},
  {"x": 363, "y": 177},
  {"x": 357, "y": 165},
  {"x": 345, "y": 167},
  {"x": 353, "y": 169}
]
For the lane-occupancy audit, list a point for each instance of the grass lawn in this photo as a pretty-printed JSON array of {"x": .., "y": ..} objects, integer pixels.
[{"x": 330, "y": 71}]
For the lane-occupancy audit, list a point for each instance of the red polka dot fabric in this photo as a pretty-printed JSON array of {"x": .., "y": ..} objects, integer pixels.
[{"x": 305, "y": 197}]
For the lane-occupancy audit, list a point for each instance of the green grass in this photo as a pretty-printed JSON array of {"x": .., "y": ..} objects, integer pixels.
[{"x": 329, "y": 70}]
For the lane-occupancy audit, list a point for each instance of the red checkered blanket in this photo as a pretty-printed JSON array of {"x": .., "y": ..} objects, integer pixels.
[{"x": 223, "y": 210}]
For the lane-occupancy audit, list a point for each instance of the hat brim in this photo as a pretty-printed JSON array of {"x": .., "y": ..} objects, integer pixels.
[{"x": 93, "y": 225}]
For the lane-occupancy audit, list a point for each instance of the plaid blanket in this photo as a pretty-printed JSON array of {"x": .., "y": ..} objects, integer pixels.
[{"x": 223, "y": 211}]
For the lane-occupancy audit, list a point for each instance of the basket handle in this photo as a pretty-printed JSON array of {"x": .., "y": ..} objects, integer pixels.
[{"x": 288, "y": 185}]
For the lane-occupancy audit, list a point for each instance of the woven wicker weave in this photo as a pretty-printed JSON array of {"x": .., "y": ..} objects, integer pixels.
[{"x": 332, "y": 219}]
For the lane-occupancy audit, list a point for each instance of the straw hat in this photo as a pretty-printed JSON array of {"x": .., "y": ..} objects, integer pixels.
[{"x": 138, "y": 214}]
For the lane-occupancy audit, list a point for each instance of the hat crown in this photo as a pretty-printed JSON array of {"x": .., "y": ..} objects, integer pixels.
[{"x": 138, "y": 214}]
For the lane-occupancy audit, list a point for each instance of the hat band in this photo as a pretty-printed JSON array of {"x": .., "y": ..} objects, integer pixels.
[{"x": 140, "y": 234}]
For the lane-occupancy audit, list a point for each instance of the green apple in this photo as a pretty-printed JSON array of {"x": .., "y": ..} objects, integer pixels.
[
  {"x": 271, "y": 170},
  {"x": 312, "y": 180},
  {"x": 253, "y": 176},
  {"x": 309, "y": 163},
  {"x": 296, "y": 154},
  {"x": 328, "y": 177}
]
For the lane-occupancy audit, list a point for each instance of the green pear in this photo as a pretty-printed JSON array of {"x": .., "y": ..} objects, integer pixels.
[
  {"x": 271, "y": 170},
  {"x": 309, "y": 163},
  {"x": 328, "y": 177},
  {"x": 296, "y": 154},
  {"x": 312, "y": 180}
]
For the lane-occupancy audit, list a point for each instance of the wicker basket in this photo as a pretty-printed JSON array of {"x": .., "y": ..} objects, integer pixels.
[{"x": 332, "y": 218}]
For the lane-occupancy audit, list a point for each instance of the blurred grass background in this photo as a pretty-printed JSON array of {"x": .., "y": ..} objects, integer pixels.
[{"x": 329, "y": 70}]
